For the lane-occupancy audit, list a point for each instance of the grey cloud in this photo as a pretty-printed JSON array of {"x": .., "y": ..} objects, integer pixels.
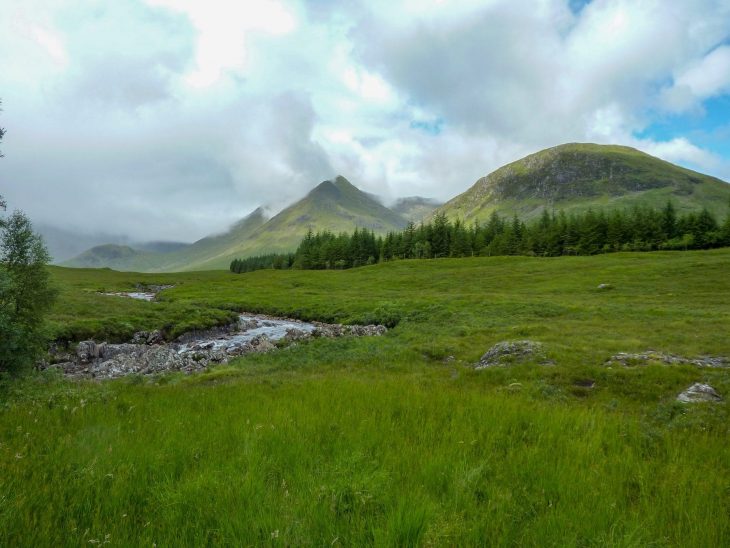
[
  {"x": 125, "y": 54},
  {"x": 180, "y": 176}
]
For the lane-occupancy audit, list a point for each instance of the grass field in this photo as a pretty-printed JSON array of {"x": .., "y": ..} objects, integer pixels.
[{"x": 394, "y": 440}]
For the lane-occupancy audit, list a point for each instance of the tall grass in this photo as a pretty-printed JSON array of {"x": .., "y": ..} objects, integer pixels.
[{"x": 351, "y": 460}]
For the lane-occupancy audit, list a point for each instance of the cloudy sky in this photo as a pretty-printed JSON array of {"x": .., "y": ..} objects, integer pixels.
[{"x": 170, "y": 119}]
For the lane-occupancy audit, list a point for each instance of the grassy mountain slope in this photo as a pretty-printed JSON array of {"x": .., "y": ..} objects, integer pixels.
[
  {"x": 575, "y": 177},
  {"x": 415, "y": 208},
  {"x": 210, "y": 248},
  {"x": 177, "y": 258},
  {"x": 106, "y": 255},
  {"x": 332, "y": 205}
]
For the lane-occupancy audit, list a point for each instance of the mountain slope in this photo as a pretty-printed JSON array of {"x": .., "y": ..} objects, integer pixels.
[
  {"x": 336, "y": 206},
  {"x": 210, "y": 248},
  {"x": 106, "y": 255},
  {"x": 575, "y": 177},
  {"x": 166, "y": 256},
  {"x": 415, "y": 208}
]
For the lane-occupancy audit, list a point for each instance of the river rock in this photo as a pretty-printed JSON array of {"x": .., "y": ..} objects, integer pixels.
[
  {"x": 148, "y": 337},
  {"x": 366, "y": 330},
  {"x": 509, "y": 352},
  {"x": 699, "y": 392},
  {"x": 87, "y": 351},
  {"x": 261, "y": 343},
  {"x": 296, "y": 335}
]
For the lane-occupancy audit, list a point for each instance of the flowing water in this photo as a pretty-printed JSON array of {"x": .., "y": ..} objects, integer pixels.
[{"x": 249, "y": 327}]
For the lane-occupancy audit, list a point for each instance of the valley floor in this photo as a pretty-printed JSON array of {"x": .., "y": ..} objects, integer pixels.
[{"x": 393, "y": 440}]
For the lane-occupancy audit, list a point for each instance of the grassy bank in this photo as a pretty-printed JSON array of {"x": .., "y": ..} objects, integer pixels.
[{"x": 393, "y": 440}]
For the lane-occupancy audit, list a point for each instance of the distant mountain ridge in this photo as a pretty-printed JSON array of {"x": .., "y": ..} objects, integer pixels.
[
  {"x": 579, "y": 176},
  {"x": 571, "y": 177},
  {"x": 415, "y": 208},
  {"x": 336, "y": 205}
]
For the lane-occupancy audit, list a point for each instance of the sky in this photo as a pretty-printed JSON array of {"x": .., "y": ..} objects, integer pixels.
[{"x": 171, "y": 119}]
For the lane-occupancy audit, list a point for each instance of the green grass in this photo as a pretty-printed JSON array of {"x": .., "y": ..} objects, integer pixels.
[{"x": 393, "y": 440}]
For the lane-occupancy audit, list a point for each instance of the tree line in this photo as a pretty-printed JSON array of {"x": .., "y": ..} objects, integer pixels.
[{"x": 552, "y": 234}]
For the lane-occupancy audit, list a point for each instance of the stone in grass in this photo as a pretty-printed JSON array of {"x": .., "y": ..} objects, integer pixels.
[
  {"x": 509, "y": 352},
  {"x": 604, "y": 287},
  {"x": 699, "y": 392}
]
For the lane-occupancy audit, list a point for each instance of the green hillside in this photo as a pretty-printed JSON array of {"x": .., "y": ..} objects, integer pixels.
[
  {"x": 107, "y": 255},
  {"x": 415, "y": 208},
  {"x": 336, "y": 206},
  {"x": 210, "y": 248},
  {"x": 179, "y": 258},
  {"x": 576, "y": 177}
]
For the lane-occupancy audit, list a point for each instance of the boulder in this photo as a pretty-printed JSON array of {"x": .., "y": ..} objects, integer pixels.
[
  {"x": 261, "y": 343},
  {"x": 293, "y": 334},
  {"x": 699, "y": 392},
  {"x": 87, "y": 351},
  {"x": 509, "y": 352}
]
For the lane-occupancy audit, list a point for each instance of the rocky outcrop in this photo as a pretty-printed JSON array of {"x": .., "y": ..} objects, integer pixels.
[
  {"x": 510, "y": 352},
  {"x": 699, "y": 392},
  {"x": 627, "y": 359}
]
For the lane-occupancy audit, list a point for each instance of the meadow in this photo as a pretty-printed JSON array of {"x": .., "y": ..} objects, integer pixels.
[{"x": 394, "y": 440}]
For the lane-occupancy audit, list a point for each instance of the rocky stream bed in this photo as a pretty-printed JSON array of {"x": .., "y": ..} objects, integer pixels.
[{"x": 148, "y": 353}]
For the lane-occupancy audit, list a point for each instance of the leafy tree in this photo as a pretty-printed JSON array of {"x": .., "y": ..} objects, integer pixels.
[{"x": 25, "y": 292}]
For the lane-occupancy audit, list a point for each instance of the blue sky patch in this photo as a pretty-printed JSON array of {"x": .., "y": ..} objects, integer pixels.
[
  {"x": 709, "y": 129},
  {"x": 576, "y": 6},
  {"x": 432, "y": 127}
]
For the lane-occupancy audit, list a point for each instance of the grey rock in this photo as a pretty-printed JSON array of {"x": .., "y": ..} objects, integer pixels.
[
  {"x": 605, "y": 286},
  {"x": 366, "y": 330},
  {"x": 295, "y": 335},
  {"x": 508, "y": 352},
  {"x": 699, "y": 392},
  {"x": 87, "y": 351},
  {"x": 627, "y": 359},
  {"x": 261, "y": 343},
  {"x": 148, "y": 337}
]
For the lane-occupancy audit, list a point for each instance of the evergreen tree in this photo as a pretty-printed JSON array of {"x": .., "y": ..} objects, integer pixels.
[
  {"x": 669, "y": 221},
  {"x": 440, "y": 236}
]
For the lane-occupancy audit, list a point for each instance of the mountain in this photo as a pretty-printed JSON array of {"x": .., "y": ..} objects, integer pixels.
[
  {"x": 415, "y": 208},
  {"x": 107, "y": 255},
  {"x": 576, "y": 176},
  {"x": 160, "y": 246},
  {"x": 170, "y": 256},
  {"x": 63, "y": 244},
  {"x": 336, "y": 205}
]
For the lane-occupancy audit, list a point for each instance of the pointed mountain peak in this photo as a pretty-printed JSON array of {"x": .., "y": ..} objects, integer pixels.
[
  {"x": 341, "y": 182},
  {"x": 258, "y": 212},
  {"x": 325, "y": 189}
]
